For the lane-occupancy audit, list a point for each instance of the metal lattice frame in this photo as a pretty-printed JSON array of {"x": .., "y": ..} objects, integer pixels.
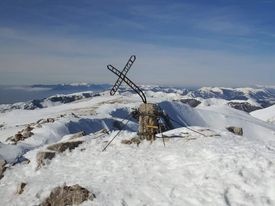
[
  {"x": 123, "y": 73},
  {"x": 122, "y": 78}
]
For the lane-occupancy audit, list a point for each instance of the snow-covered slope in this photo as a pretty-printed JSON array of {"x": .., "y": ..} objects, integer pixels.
[
  {"x": 267, "y": 114},
  {"x": 218, "y": 117},
  {"x": 216, "y": 168}
]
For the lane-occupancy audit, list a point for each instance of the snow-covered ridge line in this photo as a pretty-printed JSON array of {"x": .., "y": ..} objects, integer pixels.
[
  {"x": 261, "y": 97},
  {"x": 257, "y": 97},
  {"x": 48, "y": 102}
]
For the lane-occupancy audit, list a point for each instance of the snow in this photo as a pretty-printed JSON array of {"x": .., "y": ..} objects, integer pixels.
[
  {"x": 217, "y": 168},
  {"x": 267, "y": 114},
  {"x": 211, "y": 89}
]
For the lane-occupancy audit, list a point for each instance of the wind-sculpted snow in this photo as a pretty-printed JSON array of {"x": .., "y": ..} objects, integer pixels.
[{"x": 218, "y": 117}]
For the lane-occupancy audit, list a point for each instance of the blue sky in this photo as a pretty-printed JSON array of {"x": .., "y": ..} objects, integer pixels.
[{"x": 187, "y": 43}]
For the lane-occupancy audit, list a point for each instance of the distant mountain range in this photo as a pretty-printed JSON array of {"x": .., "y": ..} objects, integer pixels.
[
  {"x": 14, "y": 94},
  {"x": 72, "y": 87},
  {"x": 247, "y": 99}
]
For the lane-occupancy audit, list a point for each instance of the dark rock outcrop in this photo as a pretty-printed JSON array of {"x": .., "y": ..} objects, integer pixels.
[
  {"x": 20, "y": 188},
  {"x": 21, "y": 135},
  {"x": 191, "y": 102},
  {"x": 43, "y": 156},
  {"x": 2, "y": 167},
  {"x": 50, "y": 120},
  {"x": 68, "y": 195},
  {"x": 134, "y": 140},
  {"x": 62, "y": 146},
  {"x": 243, "y": 106},
  {"x": 236, "y": 130}
]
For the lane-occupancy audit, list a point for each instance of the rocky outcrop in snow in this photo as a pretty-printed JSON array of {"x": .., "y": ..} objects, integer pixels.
[
  {"x": 134, "y": 140},
  {"x": 43, "y": 157},
  {"x": 20, "y": 188},
  {"x": 68, "y": 195},
  {"x": 2, "y": 167},
  {"x": 21, "y": 135},
  {"x": 243, "y": 106},
  {"x": 191, "y": 102},
  {"x": 63, "y": 146},
  {"x": 236, "y": 130}
]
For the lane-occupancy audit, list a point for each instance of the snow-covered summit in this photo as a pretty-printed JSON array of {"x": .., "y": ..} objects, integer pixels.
[{"x": 184, "y": 168}]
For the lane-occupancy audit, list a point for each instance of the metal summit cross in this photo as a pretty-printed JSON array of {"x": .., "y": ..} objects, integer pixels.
[
  {"x": 148, "y": 113},
  {"x": 123, "y": 78}
]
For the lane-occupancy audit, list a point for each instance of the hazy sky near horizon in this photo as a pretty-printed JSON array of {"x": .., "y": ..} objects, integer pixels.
[{"x": 199, "y": 42}]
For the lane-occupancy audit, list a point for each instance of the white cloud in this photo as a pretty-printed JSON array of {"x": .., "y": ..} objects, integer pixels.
[{"x": 51, "y": 59}]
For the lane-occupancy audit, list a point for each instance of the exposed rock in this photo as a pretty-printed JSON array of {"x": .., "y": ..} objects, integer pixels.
[
  {"x": 21, "y": 160},
  {"x": 43, "y": 156},
  {"x": 21, "y": 135},
  {"x": 2, "y": 167},
  {"x": 9, "y": 138},
  {"x": 62, "y": 146},
  {"x": 243, "y": 106},
  {"x": 77, "y": 135},
  {"x": 50, "y": 120},
  {"x": 191, "y": 102},
  {"x": 17, "y": 137},
  {"x": 27, "y": 134},
  {"x": 25, "y": 161},
  {"x": 126, "y": 141},
  {"x": 29, "y": 128},
  {"x": 236, "y": 130},
  {"x": 41, "y": 121},
  {"x": 39, "y": 126},
  {"x": 68, "y": 195},
  {"x": 74, "y": 115},
  {"x": 134, "y": 140},
  {"x": 20, "y": 188},
  {"x": 44, "y": 121}
]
